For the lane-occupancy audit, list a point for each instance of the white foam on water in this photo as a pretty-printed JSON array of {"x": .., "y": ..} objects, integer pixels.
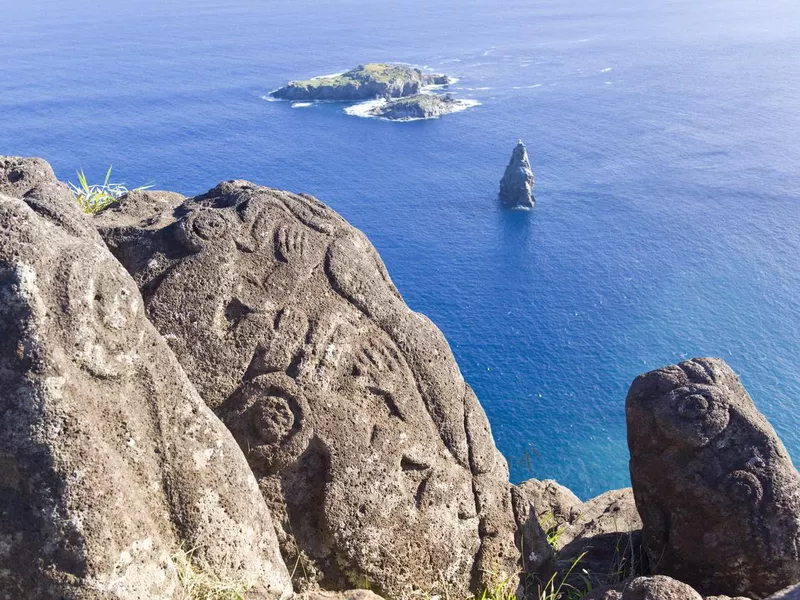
[
  {"x": 465, "y": 104},
  {"x": 606, "y": 70},
  {"x": 427, "y": 89},
  {"x": 609, "y": 83},
  {"x": 364, "y": 109},
  {"x": 269, "y": 98},
  {"x": 301, "y": 104},
  {"x": 329, "y": 75}
]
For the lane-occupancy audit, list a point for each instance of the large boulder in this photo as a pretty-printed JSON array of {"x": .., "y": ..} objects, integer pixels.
[
  {"x": 111, "y": 465},
  {"x": 351, "y": 409},
  {"x": 658, "y": 587},
  {"x": 715, "y": 487},
  {"x": 598, "y": 540}
]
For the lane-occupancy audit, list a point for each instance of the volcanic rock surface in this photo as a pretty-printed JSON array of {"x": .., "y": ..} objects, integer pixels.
[
  {"x": 354, "y": 416},
  {"x": 420, "y": 106},
  {"x": 716, "y": 490},
  {"x": 658, "y": 587},
  {"x": 516, "y": 186},
  {"x": 601, "y": 536},
  {"x": 110, "y": 462},
  {"x": 372, "y": 80}
]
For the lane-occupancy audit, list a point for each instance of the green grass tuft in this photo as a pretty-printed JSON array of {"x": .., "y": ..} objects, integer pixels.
[
  {"x": 565, "y": 591},
  {"x": 552, "y": 529},
  {"x": 94, "y": 198}
]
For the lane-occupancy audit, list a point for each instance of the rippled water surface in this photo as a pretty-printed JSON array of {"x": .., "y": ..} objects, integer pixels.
[{"x": 664, "y": 138}]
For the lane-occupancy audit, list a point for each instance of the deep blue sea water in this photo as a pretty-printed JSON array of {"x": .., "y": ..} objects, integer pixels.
[{"x": 664, "y": 136}]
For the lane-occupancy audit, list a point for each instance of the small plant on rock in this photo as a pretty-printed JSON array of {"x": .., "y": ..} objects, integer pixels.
[
  {"x": 199, "y": 585},
  {"x": 94, "y": 198},
  {"x": 564, "y": 591}
]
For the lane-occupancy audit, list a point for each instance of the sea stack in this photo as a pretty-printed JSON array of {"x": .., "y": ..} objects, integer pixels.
[{"x": 516, "y": 186}]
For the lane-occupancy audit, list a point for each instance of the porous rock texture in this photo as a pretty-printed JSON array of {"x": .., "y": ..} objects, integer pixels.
[
  {"x": 516, "y": 186},
  {"x": 716, "y": 490},
  {"x": 110, "y": 462},
  {"x": 601, "y": 536},
  {"x": 657, "y": 587},
  {"x": 351, "y": 409}
]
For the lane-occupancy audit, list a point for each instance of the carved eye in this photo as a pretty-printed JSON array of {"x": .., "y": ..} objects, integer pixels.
[
  {"x": 267, "y": 416},
  {"x": 693, "y": 406},
  {"x": 695, "y": 414},
  {"x": 202, "y": 226},
  {"x": 745, "y": 487},
  {"x": 272, "y": 419},
  {"x": 209, "y": 225}
]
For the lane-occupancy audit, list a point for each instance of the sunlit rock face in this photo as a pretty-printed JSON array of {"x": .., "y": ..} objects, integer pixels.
[
  {"x": 516, "y": 186},
  {"x": 349, "y": 406},
  {"x": 110, "y": 462},
  {"x": 716, "y": 490}
]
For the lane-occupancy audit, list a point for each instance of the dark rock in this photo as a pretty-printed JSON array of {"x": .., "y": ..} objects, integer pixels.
[
  {"x": 715, "y": 487},
  {"x": 373, "y": 80},
  {"x": 604, "y": 535},
  {"x": 601, "y": 537},
  {"x": 350, "y": 407},
  {"x": 516, "y": 186},
  {"x": 657, "y": 587},
  {"x": 420, "y": 106},
  {"x": 110, "y": 463}
]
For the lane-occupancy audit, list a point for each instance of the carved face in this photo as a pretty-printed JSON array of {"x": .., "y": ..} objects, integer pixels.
[
  {"x": 107, "y": 312},
  {"x": 286, "y": 320}
]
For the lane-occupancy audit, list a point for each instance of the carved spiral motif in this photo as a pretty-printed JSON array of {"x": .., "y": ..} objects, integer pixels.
[
  {"x": 745, "y": 487},
  {"x": 268, "y": 417},
  {"x": 697, "y": 414},
  {"x": 200, "y": 227}
]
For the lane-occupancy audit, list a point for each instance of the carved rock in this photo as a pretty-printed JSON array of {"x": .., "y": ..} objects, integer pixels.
[
  {"x": 715, "y": 487},
  {"x": 350, "y": 407},
  {"x": 110, "y": 462}
]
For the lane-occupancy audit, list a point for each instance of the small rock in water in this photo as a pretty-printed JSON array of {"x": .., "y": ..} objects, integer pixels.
[{"x": 516, "y": 186}]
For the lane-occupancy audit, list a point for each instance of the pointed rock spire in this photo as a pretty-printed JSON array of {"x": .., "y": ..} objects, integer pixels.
[{"x": 516, "y": 186}]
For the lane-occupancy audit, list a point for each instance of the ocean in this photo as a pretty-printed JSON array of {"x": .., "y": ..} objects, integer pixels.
[{"x": 664, "y": 137}]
